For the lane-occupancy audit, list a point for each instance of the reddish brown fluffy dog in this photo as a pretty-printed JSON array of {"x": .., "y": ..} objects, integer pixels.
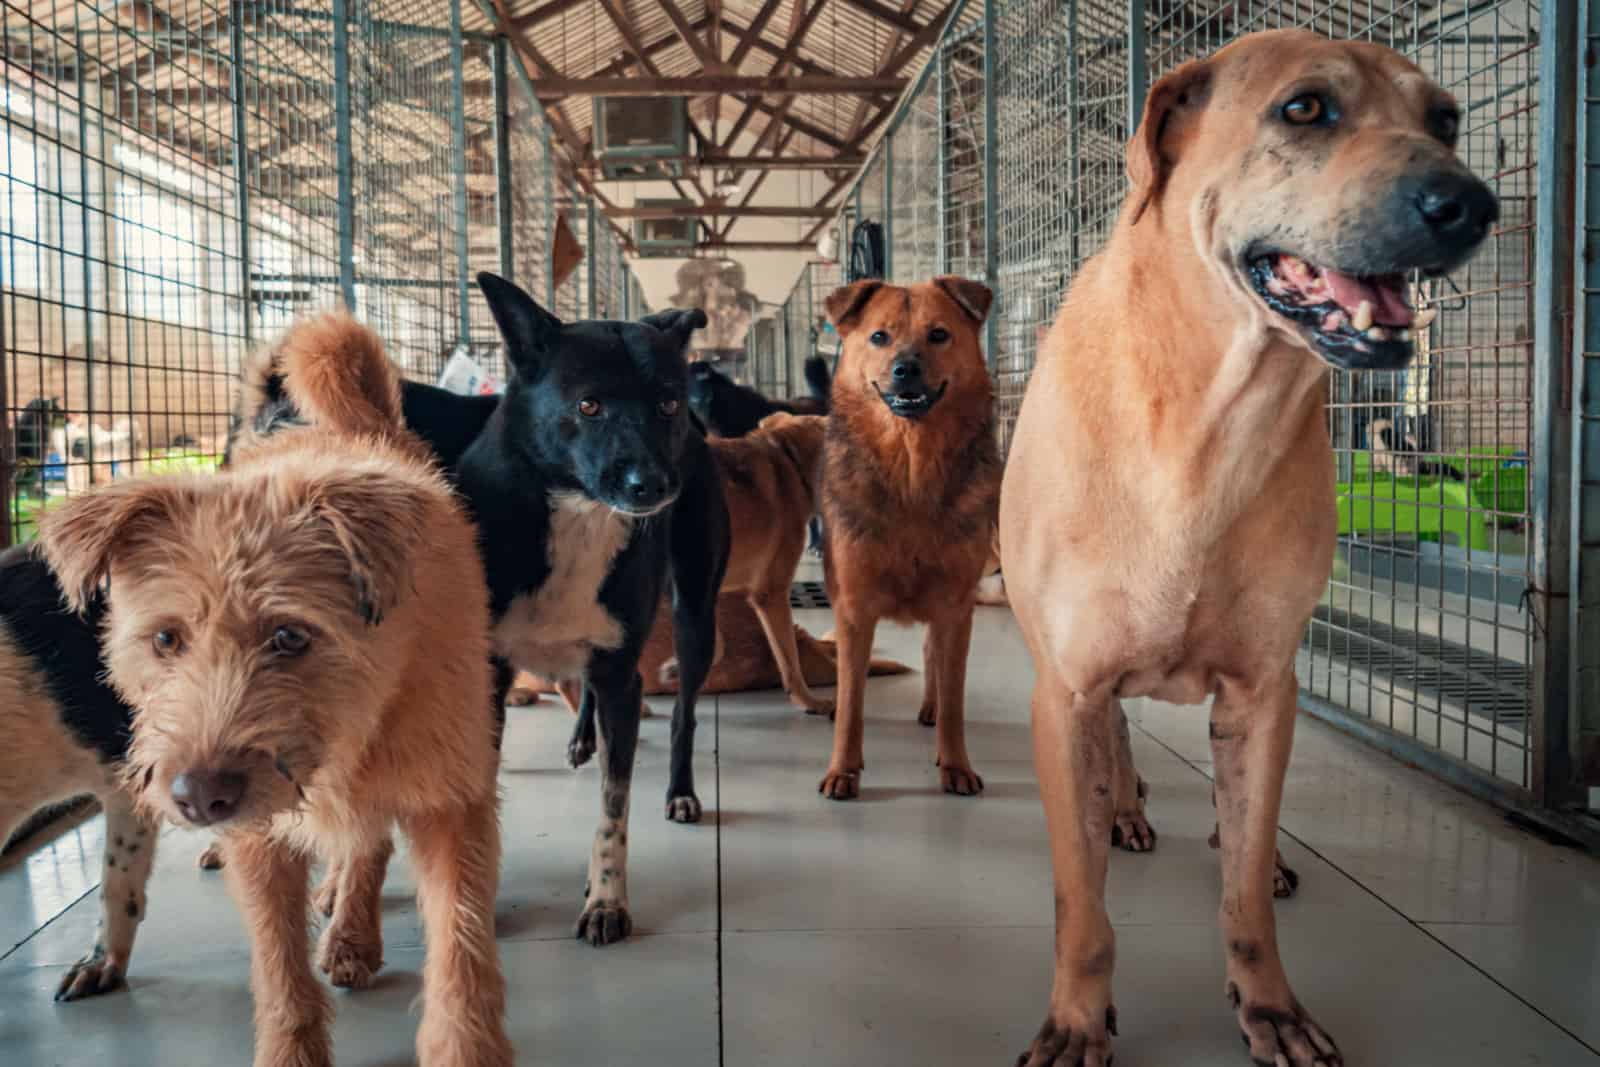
[
  {"x": 304, "y": 641},
  {"x": 910, "y": 487}
]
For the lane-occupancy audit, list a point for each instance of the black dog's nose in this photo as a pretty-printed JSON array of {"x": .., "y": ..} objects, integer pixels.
[
  {"x": 1456, "y": 206},
  {"x": 906, "y": 371},
  {"x": 206, "y": 797},
  {"x": 644, "y": 488}
]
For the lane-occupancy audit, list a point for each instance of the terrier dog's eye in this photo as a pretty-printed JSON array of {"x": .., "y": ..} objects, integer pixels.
[
  {"x": 879, "y": 337},
  {"x": 1308, "y": 109},
  {"x": 167, "y": 642},
  {"x": 938, "y": 335},
  {"x": 668, "y": 407},
  {"x": 588, "y": 407},
  {"x": 287, "y": 641}
]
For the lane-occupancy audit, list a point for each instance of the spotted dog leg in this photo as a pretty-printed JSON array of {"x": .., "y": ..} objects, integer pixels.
[
  {"x": 605, "y": 919},
  {"x": 1130, "y": 830},
  {"x": 130, "y": 852}
]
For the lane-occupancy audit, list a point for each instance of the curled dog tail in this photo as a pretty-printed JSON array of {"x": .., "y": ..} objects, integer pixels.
[{"x": 819, "y": 380}]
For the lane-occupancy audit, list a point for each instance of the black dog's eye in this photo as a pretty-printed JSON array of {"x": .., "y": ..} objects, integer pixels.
[
  {"x": 1445, "y": 124},
  {"x": 288, "y": 641},
  {"x": 938, "y": 335},
  {"x": 1307, "y": 109},
  {"x": 879, "y": 337},
  {"x": 588, "y": 407},
  {"x": 167, "y": 642},
  {"x": 668, "y": 407}
]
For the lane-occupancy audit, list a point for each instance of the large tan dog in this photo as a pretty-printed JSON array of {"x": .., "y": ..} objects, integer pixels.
[
  {"x": 1167, "y": 522},
  {"x": 911, "y": 479}
]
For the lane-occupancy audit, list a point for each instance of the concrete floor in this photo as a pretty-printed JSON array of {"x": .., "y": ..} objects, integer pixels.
[{"x": 907, "y": 928}]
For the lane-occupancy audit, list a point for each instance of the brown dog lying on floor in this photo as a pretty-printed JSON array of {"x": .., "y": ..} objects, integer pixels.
[
  {"x": 910, "y": 483},
  {"x": 304, "y": 639},
  {"x": 1168, "y": 521}
]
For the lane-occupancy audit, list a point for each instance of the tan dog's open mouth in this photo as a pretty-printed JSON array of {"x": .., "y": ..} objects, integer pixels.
[{"x": 1353, "y": 321}]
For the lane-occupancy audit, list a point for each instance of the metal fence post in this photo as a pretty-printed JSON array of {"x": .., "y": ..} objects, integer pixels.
[
  {"x": 1552, "y": 526},
  {"x": 458, "y": 156},
  {"x": 345, "y": 152},
  {"x": 1138, "y": 63},
  {"x": 502, "y": 156},
  {"x": 589, "y": 256},
  {"x": 241, "y": 164},
  {"x": 941, "y": 238},
  {"x": 1585, "y": 563},
  {"x": 88, "y": 245},
  {"x": 549, "y": 216},
  {"x": 991, "y": 176},
  {"x": 888, "y": 204}
]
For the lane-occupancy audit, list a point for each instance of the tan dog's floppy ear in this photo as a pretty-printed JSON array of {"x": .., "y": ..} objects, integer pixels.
[
  {"x": 81, "y": 538},
  {"x": 971, "y": 297},
  {"x": 844, "y": 305},
  {"x": 379, "y": 523},
  {"x": 1147, "y": 165}
]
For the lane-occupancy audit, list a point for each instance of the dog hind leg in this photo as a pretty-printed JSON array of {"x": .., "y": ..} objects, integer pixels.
[
  {"x": 130, "y": 853},
  {"x": 1285, "y": 880},
  {"x": 1252, "y": 731},
  {"x": 928, "y": 715},
  {"x": 776, "y": 615},
  {"x": 1130, "y": 830},
  {"x": 605, "y": 918}
]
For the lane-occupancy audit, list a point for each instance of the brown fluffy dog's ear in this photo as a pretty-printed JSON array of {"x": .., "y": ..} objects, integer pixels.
[
  {"x": 973, "y": 298},
  {"x": 379, "y": 524},
  {"x": 81, "y": 538},
  {"x": 1148, "y": 162},
  {"x": 844, "y": 305}
]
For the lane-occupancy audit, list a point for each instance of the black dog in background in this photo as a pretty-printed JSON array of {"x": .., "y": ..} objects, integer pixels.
[{"x": 729, "y": 409}]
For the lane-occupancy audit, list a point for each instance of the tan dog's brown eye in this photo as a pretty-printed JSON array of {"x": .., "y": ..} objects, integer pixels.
[
  {"x": 1305, "y": 110},
  {"x": 288, "y": 641},
  {"x": 879, "y": 337},
  {"x": 167, "y": 642},
  {"x": 668, "y": 407},
  {"x": 938, "y": 335},
  {"x": 588, "y": 407},
  {"x": 1445, "y": 124}
]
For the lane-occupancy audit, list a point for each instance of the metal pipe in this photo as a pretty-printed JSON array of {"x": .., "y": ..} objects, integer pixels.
[
  {"x": 502, "y": 157},
  {"x": 888, "y": 206},
  {"x": 941, "y": 239},
  {"x": 1586, "y": 428},
  {"x": 991, "y": 182},
  {"x": 1138, "y": 63},
  {"x": 84, "y": 200},
  {"x": 458, "y": 157},
  {"x": 241, "y": 164},
  {"x": 345, "y": 153},
  {"x": 589, "y": 257}
]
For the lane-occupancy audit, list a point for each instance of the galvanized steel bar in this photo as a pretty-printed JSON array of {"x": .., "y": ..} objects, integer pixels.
[
  {"x": 241, "y": 164},
  {"x": 991, "y": 192},
  {"x": 1585, "y": 563},
  {"x": 589, "y": 256},
  {"x": 887, "y": 149},
  {"x": 502, "y": 157},
  {"x": 1138, "y": 63},
  {"x": 458, "y": 154},
  {"x": 941, "y": 248},
  {"x": 345, "y": 153}
]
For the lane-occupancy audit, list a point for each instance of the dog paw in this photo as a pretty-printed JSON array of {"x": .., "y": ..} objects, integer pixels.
[
  {"x": 1071, "y": 1046},
  {"x": 604, "y": 922},
  {"x": 1284, "y": 879},
  {"x": 668, "y": 671},
  {"x": 927, "y": 716},
  {"x": 210, "y": 859},
  {"x": 962, "y": 781},
  {"x": 579, "y": 752},
  {"x": 684, "y": 809},
  {"x": 327, "y": 895},
  {"x": 1283, "y": 1037},
  {"x": 91, "y": 976},
  {"x": 348, "y": 964},
  {"x": 1132, "y": 831},
  {"x": 521, "y": 697},
  {"x": 820, "y": 706},
  {"x": 840, "y": 785}
]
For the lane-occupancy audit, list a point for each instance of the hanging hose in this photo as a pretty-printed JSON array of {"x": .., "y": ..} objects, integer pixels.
[{"x": 866, "y": 251}]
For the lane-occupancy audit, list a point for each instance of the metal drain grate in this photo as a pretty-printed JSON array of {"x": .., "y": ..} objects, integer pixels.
[
  {"x": 1486, "y": 685},
  {"x": 809, "y": 595}
]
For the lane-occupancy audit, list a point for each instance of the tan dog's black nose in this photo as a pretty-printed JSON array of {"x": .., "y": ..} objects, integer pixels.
[
  {"x": 1456, "y": 207},
  {"x": 206, "y": 797}
]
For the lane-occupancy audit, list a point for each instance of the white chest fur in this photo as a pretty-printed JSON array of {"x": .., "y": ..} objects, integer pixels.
[{"x": 552, "y": 630}]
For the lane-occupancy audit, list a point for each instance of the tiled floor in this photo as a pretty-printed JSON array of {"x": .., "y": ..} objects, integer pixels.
[{"x": 907, "y": 928}]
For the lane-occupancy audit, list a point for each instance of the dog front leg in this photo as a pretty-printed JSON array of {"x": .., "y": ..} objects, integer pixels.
[
  {"x": 457, "y": 856},
  {"x": 694, "y": 638},
  {"x": 130, "y": 852},
  {"x": 928, "y": 715},
  {"x": 843, "y": 780},
  {"x": 949, "y": 640},
  {"x": 1252, "y": 731},
  {"x": 1130, "y": 830},
  {"x": 776, "y": 615},
  {"x": 269, "y": 880},
  {"x": 1073, "y": 756},
  {"x": 605, "y": 919},
  {"x": 351, "y": 949},
  {"x": 581, "y": 748}
]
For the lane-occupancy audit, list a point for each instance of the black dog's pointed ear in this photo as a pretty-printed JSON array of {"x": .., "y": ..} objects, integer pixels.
[
  {"x": 527, "y": 328},
  {"x": 678, "y": 322}
]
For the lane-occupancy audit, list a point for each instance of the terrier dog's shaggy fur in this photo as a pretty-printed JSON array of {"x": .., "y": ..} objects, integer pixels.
[{"x": 304, "y": 639}]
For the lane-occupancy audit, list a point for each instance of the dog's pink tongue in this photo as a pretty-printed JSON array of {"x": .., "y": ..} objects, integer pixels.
[{"x": 1388, "y": 301}]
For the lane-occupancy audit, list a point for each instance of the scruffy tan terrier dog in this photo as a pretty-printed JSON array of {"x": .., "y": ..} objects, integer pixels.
[{"x": 304, "y": 639}]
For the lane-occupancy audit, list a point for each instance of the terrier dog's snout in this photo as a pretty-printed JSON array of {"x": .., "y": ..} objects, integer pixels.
[{"x": 206, "y": 796}]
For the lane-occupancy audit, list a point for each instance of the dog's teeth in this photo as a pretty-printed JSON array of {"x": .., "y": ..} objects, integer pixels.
[
  {"x": 1377, "y": 333},
  {"x": 1424, "y": 318},
  {"x": 1362, "y": 318}
]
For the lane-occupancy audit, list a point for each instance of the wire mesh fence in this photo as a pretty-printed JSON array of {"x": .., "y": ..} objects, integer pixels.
[
  {"x": 178, "y": 182},
  {"x": 1443, "y": 483}
]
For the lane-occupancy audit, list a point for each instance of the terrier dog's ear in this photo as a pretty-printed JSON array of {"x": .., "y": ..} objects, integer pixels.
[
  {"x": 83, "y": 537},
  {"x": 973, "y": 298},
  {"x": 678, "y": 323},
  {"x": 379, "y": 524},
  {"x": 529, "y": 330},
  {"x": 844, "y": 306}
]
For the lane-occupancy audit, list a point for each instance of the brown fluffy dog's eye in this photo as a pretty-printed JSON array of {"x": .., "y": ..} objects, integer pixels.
[
  {"x": 167, "y": 642},
  {"x": 1305, "y": 109},
  {"x": 668, "y": 407},
  {"x": 588, "y": 407},
  {"x": 288, "y": 641},
  {"x": 938, "y": 335},
  {"x": 879, "y": 337},
  {"x": 1445, "y": 124}
]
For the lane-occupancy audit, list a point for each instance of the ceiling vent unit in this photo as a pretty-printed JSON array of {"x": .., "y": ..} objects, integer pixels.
[
  {"x": 641, "y": 138},
  {"x": 665, "y": 238}
]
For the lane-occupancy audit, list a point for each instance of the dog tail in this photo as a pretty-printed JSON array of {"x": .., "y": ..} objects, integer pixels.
[
  {"x": 819, "y": 379},
  {"x": 338, "y": 376}
]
